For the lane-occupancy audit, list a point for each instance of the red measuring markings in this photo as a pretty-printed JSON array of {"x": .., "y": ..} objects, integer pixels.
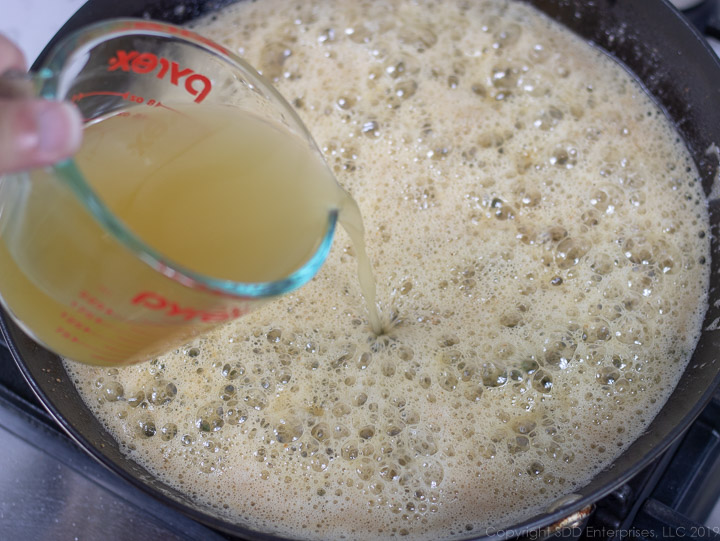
[
  {"x": 66, "y": 334},
  {"x": 134, "y": 337},
  {"x": 121, "y": 350},
  {"x": 81, "y": 95},
  {"x": 125, "y": 347},
  {"x": 195, "y": 83},
  {"x": 96, "y": 303},
  {"x": 102, "y": 308},
  {"x": 127, "y": 96},
  {"x": 75, "y": 323},
  {"x": 80, "y": 309}
]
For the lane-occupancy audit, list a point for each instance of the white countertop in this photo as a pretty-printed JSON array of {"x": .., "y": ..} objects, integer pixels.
[{"x": 31, "y": 23}]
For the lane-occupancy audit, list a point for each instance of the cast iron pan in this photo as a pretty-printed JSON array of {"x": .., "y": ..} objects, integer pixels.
[{"x": 677, "y": 68}]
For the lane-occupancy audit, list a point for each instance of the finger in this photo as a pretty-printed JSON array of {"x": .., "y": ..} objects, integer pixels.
[
  {"x": 34, "y": 133},
  {"x": 11, "y": 57}
]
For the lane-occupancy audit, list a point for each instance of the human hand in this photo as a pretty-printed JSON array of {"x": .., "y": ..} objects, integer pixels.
[{"x": 33, "y": 132}]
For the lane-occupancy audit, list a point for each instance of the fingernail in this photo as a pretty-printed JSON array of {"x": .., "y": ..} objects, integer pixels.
[{"x": 59, "y": 127}]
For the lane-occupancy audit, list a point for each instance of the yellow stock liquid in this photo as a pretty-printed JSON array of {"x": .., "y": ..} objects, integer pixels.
[{"x": 213, "y": 190}]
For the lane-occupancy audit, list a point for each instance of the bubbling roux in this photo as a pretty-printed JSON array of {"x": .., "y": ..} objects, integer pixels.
[{"x": 538, "y": 235}]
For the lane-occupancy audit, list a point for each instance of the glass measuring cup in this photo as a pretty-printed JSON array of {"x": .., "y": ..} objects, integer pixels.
[{"x": 73, "y": 275}]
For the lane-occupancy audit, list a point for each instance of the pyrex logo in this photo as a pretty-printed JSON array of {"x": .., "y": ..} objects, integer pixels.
[
  {"x": 196, "y": 84},
  {"x": 155, "y": 301}
]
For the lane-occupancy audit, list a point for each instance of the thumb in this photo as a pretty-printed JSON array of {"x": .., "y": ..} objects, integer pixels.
[{"x": 37, "y": 132}]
